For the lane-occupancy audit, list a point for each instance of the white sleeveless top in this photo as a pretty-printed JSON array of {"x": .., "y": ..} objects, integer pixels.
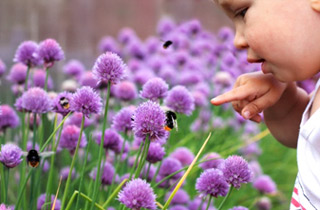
[{"x": 306, "y": 192}]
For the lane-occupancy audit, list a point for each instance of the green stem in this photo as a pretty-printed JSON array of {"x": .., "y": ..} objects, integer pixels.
[
  {"x": 82, "y": 171},
  {"x": 225, "y": 198},
  {"x": 33, "y": 182},
  {"x": 53, "y": 133},
  {"x": 115, "y": 192},
  {"x": 85, "y": 197},
  {"x": 148, "y": 170},
  {"x": 99, "y": 166},
  {"x": 208, "y": 205},
  {"x": 22, "y": 188},
  {"x": 3, "y": 183},
  {"x": 136, "y": 161},
  {"x": 27, "y": 79},
  {"x": 72, "y": 165},
  {"x": 6, "y": 174},
  {"x": 143, "y": 157},
  {"x": 46, "y": 81}
]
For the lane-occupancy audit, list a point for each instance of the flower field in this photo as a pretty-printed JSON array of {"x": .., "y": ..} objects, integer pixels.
[{"x": 136, "y": 130}]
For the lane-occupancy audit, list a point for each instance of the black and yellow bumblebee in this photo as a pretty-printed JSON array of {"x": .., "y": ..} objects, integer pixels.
[
  {"x": 64, "y": 102},
  {"x": 167, "y": 44},
  {"x": 33, "y": 157},
  {"x": 171, "y": 121}
]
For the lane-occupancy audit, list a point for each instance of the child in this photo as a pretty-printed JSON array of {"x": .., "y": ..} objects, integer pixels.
[{"x": 284, "y": 36}]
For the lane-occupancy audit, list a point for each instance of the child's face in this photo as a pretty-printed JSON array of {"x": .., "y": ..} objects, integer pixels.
[{"x": 284, "y": 35}]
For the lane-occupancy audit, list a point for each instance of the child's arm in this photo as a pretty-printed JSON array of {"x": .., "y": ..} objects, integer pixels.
[{"x": 282, "y": 103}]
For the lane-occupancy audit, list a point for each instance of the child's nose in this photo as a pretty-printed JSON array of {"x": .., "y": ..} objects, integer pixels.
[{"x": 240, "y": 41}]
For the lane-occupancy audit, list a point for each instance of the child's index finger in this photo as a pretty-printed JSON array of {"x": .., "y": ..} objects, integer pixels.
[{"x": 236, "y": 94}]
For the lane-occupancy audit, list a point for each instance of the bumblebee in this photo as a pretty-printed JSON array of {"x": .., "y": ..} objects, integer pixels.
[
  {"x": 33, "y": 157},
  {"x": 64, "y": 102},
  {"x": 167, "y": 44},
  {"x": 171, "y": 121}
]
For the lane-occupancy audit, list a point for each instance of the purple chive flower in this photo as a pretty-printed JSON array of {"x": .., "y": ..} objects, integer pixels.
[
  {"x": 3, "y": 207},
  {"x": 178, "y": 207},
  {"x": 239, "y": 208},
  {"x": 264, "y": 203},
  {"x": 126, "y": 91},
  {"x": 10, "y": 155},
  {"x": 2, "y": 67},
  {"x": 39, "y": 78},
  {"x": 69, "y": 138},
  {"x": 215, "y": 163},
  {"x": 27, "y": 54},
  {"x": 236, "y": 171},
  {"x": 170, "y": 165},
  {"x": 108, "y": 43},
  {"x": 18, "y": 73},
  {"x": 154, "y": 89},
  {"x": 50, "y": 51},
  {"x": 142, "y": 76},
  {"x": 74, "y": 68},
  {"x": 87, "y": 79},
  {"x": 126, "y": 35},
  {"x": 180, "y": 100},
  {"x": 165, "y": 26},
  {"x": 149, "y": 119},
  {"x": 87, "y": 101},
  {"x": 212, "y": 182},
  {"x": 42, "y": 202},
  {"x": 225, "y": 34},
  {"x": 138, "y": 194},
  {"x": 36, "y": 100},
  {"x": 64, "y": 172},
  {"x": 195, "y": 204},
  {"x": 109, "y": 67},
  {"x": 122, "y": 121},
  {"x": 183, "y": 154},
  {"x": 107, "y": 174},
  {"x": 155, "y": 153},
  {"x": 112, "y": 140},
  {"x": 76, "y": 119},
  {"x": 61, "y": 103},
  {"x": 265, "y": 184},
  {"x": 8, "y": 118},
  {"x": 181, "y": 197}
]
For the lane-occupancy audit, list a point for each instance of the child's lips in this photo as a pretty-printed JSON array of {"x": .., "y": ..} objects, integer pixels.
[{"x": 264, "y": 67}]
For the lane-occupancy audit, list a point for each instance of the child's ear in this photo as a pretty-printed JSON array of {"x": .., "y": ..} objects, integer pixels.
[{"x": 315, "y": 5}]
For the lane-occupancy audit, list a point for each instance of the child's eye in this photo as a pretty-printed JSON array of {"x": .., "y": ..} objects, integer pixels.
[{"x": 242, "y": 12}]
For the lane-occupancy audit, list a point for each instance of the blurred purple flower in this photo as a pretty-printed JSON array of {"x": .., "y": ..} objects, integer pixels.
[
  {"x": 112, "y": 140},
  {"x": 74, "y": 68},
  {"x": 136, "y": 49},
  {"x": 236, "y": 171},
  {"x": 149, "y": 119},
  {"x": 215, "y": 163},
  {"x": 138, "y": 194},
  {"x": 109, "y": 67},
  {"x": 122, "y": 121},
  {"x": 154, "y": 89},
  {"x": 50, "y": 51},
  {"x": 8, "y": 118},
  {"x": 87, "y": 101},
  {"x": 61, "y": 103},
  {"x": 178, "y": 207},
  {"x": 180, "y": 100},
  {"x": 265, "y": 184},
  {"x": 10, "y": 155},
  {"x": 195, "y": 205},
  {"x": 64, "y": 172},
  {"x": 155, "y": 153},
  {"x": 255, "y": 168},
  {"x": 165, "y": 26},
  {"x": 126, "y": 91},
  {"x": 18, "y": 73},
  {"x": 212, "y": 182},
  {"x": 76, "y": 118},
  {"x": 3, "y": 207},
  {"x": 87, "y": 79},
  {"x": 108, "y": 44},
  {"x": 69, "y": 138},
  {"x": 36, "y": 100},
  {"x": 170, "y": 165},
  {"x": 183, "y": 154},
  {"x": 239, "y": 208},
  {"x": 42, "y": 202},
  {"x": 181, "y": 197},
  {"x": 27, "y": 54},
  {"x": 107, "y": 174},
  {"x": 126, "y": 35},
  {"x": 191, "y": 27},
  {"x": 2, "y": 68},
  {"x": 264, "y": 203},
  {"x": 39, "y": 77},
  {"x": 142, "y": 76},
  {"x": 225, "y": 34}
]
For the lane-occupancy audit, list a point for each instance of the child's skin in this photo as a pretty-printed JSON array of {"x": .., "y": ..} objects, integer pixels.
[{"x": 283, "y": 35}]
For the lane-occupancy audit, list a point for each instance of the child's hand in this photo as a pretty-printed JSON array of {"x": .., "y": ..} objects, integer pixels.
[{"x": 251, "y": 94}]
